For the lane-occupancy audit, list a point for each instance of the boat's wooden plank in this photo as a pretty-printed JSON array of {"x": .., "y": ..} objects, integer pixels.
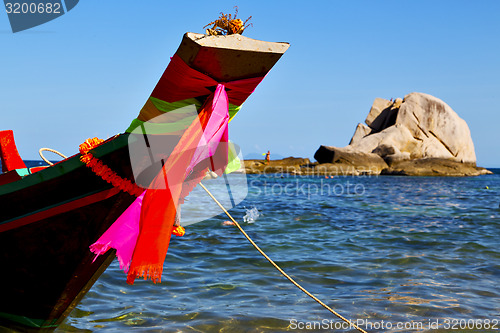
[{"x": 229, "y": 58}]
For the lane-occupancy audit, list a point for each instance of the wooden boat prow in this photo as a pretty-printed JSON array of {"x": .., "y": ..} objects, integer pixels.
[
  {"x": 229, "y": 57},
  {"x": 51, "y": 217}
]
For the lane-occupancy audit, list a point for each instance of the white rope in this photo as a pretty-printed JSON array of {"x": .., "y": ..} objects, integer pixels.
[
  {"x": 279, "y": 268},
  {"x": 52, "y": 151}
]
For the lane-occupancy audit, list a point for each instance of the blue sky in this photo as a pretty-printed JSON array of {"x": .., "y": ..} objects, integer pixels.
[{"x": 89, "y": 72}]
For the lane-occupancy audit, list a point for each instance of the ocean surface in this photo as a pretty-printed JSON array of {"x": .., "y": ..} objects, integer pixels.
[{"x": 392, "y": 254}]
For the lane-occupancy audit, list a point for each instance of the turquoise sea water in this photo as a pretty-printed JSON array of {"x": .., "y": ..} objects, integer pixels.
[
  {"x": 402, "y": 250},
  {"x": 394, "y": 254}
]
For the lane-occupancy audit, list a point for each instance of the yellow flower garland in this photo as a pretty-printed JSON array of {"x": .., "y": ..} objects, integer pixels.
[{"x": 103, "y": 171}]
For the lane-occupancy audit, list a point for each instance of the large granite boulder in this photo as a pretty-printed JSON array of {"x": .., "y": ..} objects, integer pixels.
[
  {"x": 361, "y": 131},
  {"x": 358, "y": 162},
  {"x": 443, "y": 134},
  {"x": 418, "y": 127},
  {"x": 434, "y": 167},
  {"x": 421, "y": 125},
  {"x": 398, "y": 137},
  {"x": 382, "y": 114}
]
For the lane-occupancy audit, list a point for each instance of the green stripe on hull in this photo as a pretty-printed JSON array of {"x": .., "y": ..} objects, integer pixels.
[
  {"x": 63, "y": 167},
  {"x": 173, "y": 107},
  {"x": 29, "y": 322},
  {"x": 167, "y": 107}
]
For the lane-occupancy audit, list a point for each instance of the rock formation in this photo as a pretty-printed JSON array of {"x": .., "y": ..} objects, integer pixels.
[
  {"x": 417, "y": 127},
  {"x": 419, "y": 135},
  {"x": 289, "y": 165}
]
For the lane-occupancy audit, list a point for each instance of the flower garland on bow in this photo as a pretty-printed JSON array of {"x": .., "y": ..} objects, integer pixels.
[
  {"x": 141, "y": 235},
  {"x": 103, "y": 171}
]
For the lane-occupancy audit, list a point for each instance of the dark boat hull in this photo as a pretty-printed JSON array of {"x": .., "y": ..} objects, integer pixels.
[
  {"x": 50, "y": 218},
  {"x": 46, "y": 233}
]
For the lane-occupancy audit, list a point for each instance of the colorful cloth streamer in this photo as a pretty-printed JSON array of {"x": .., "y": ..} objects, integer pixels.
[
  {"x": 122, "y": 235},
  {"x": 160, "y": 204},
  {"x": 141, "y": 235},
  {"x": 180, "y": 82},
  {"x": 234, "y": 163}
]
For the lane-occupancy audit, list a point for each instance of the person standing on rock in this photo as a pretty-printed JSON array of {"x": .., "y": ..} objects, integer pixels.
[{"x": 268, "y": 157}]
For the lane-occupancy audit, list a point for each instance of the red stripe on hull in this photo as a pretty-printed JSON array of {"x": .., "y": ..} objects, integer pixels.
[{"x": 63, "y": 208}]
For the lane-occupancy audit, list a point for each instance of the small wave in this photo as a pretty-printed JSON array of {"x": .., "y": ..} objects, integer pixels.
[{"x": 251, "y": 215}]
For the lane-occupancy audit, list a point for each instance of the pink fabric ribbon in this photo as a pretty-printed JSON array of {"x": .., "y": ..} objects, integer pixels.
[
  {"x": 180, "y": 82},
  {"x": 123, "y": 234}
]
